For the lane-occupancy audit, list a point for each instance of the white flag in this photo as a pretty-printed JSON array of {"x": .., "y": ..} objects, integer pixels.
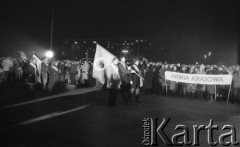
[
  {"x": 102, "y": 60},
  {"x": 38, "y": 68}
]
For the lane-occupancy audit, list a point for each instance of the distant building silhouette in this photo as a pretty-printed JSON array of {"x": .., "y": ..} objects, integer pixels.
[{"x": 130, "y": 47}]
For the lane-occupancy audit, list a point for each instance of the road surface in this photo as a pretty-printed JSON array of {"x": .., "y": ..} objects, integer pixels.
[{"x": 82, "y": 118}]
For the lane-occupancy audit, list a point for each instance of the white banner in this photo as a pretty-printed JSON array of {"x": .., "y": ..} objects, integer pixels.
[{"x": 199, "y": 79}]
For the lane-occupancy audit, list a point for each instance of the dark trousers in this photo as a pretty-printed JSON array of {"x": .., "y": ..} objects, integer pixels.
[
  {"x": 6, "y": 75},
  {"x": 200, "y": 95},
  {"x": 125, "y": 90},
  {"x": 236, "y": 93},
  {"x": 112, "y": 97}
]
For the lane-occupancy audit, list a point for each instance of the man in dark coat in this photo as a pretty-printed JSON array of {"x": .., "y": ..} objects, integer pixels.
[
  {"x": 135, "y": 88},
  {"x": 125, "y": 78},
  {"x": 113, "y": 82}
]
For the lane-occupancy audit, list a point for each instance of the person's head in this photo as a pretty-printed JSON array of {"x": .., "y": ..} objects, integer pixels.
[
  {"x": 166, "y": 66},
  {"x": 45, "y": 60},
  {"x": 211, "y": 68},
  {"x": 136, "y": 61},
  {"x": 184, "y": 68},
  {"x": 220, "y": 68},
  {"x": 201, "y": 68},
  {"x": 115, "y": 61},
  {"x": 237, "y": 68},
  {"x": 55, "y": 63},
  {"x": 196, "y": 69},
  {"x": 123, "y": 59},
  {"x": 175, "y": 68}
]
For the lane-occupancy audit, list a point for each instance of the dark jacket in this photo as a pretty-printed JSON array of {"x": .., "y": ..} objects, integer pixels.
[
  {"x": 44, "y": 68},
  {"x": 124, "y": 73},
  {"x": 135, "y": 78}
]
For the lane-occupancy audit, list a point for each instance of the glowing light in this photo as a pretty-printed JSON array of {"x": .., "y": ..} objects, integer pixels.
[
  {"x": 49, "y": 54},
  {"x": 125, "y": 51},
  {"x": 205, "y": 56},
  {"x": 209, "y": 53}
]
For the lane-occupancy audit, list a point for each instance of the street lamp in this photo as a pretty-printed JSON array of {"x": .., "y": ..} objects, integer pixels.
[
  {"x": 49, "y": 54},
  {"x": 125, "y": 51}
]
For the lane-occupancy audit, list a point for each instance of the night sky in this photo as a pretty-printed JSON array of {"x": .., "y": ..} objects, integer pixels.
[{"x": 191, "y": 27}]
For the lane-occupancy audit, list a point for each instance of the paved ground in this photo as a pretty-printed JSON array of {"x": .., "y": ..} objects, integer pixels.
[{"x": 85, "y": 120}]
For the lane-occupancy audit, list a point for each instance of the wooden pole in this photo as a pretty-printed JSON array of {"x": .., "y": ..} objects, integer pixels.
[
  {"x": 215, "y": 93},
  {"x": 229, "y": 92}
]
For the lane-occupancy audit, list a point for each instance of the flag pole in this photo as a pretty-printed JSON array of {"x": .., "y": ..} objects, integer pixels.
[
  {"x": 229, "y": 92},
  {"x": 51, "y": 41},
  {"x": 139, "y": 76},
  {"x": 215, "y": 93},
  {"x": 166, "y": 86}
]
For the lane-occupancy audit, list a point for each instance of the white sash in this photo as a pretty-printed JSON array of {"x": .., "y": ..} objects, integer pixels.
[
  {"x": 115, "y": 68},
  {"x": 55, "y": 68},
  {"x": 33, "y": 65},
  {"x": 123, "y": 64},
  {"x": 135, "y": 66}
]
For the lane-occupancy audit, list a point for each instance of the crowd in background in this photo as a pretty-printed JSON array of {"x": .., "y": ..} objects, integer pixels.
[
  {"x": 155, "y": 82},
  {"x": 73, "y": 72},
  {"x": 80, "y": 73}
]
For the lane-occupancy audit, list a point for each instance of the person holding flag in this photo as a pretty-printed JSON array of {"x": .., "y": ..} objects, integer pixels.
[
  {"x": 105, "y": 70},
  {"x": 125, "y": 74},
  {"x": 113, "y": 82}
]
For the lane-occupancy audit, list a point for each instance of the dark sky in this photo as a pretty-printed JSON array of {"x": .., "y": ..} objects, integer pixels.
[{"x": 192, "y": 26}]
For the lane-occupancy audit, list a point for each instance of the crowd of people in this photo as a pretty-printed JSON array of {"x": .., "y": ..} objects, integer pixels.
[
  {"x": 131, "y": 78},
  {"x": 51, "y": 72},
  {"x": 155, "y": 72},
  {"x": 149, "y": 78}
]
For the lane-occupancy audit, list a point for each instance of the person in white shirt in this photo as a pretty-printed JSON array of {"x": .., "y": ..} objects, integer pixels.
[{"x": 7, "y": 65}]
